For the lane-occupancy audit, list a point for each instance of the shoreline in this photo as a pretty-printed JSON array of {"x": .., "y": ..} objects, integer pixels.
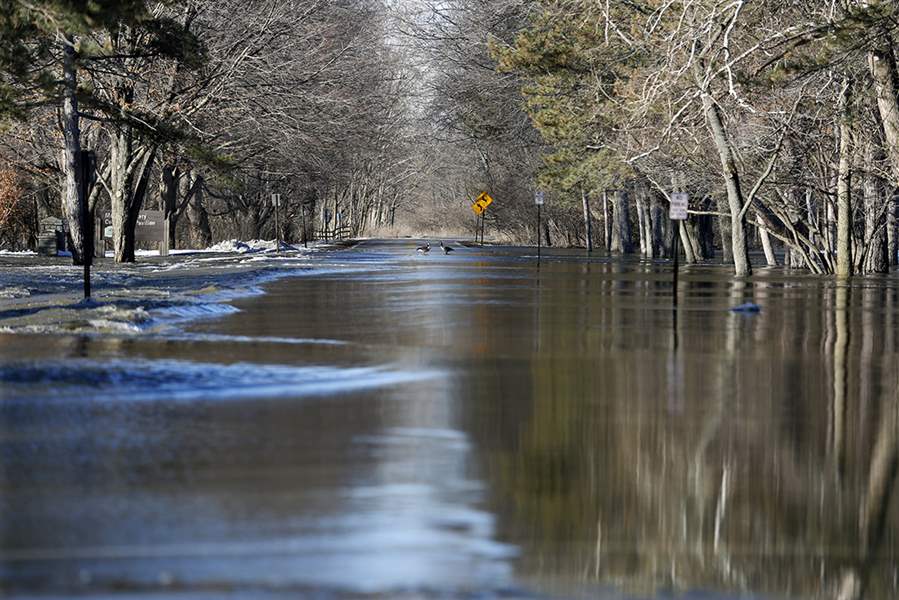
[{"x": 39, "y": 295}]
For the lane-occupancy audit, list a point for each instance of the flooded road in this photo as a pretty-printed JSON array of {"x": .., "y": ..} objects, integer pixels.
[{"x": 465, "y": 426}]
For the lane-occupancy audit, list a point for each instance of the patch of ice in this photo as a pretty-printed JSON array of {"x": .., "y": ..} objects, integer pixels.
[{"x": 14, "y": 292}]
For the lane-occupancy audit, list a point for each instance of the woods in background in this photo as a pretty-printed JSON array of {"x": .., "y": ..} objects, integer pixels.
[
  {"x": 203, "y": 109},
  {"x": 781, "y": 120}
]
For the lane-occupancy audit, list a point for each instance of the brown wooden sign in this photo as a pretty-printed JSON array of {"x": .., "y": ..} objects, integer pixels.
[{"x": 150, "y": 226}]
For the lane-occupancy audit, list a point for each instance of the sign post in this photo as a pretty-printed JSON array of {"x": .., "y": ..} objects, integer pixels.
[
  {"x": 276, "y": 202},
  {"x": 480, "y": 207},
  {"x": 539, "y": 200},
  {"x": 677, "y": 212},
  {"x": 303, "y": 212},
  {"x": 87, "y": 160}
]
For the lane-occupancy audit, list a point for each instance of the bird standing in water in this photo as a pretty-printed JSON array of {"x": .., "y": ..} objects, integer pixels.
[
  {"x": 424, "y": 249},
  {"x": 446, "y": 249}
]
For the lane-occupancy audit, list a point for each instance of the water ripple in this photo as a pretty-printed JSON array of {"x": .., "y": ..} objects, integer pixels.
[{"x": 142, "y": 380}]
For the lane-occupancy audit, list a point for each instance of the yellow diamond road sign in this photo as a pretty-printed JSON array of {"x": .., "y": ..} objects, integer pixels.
[{"x": 483, "y": 201}]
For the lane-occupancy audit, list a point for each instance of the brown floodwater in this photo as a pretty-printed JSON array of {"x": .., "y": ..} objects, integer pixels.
[{"x": 466, "y": 426}]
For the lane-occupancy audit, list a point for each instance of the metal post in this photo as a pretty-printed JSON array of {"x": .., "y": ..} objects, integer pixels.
[
  {"x": 86, "y": 166},
  {"x": 676, "y": 250},
  {"x": 166, "y": 240},
  {"x": 276, "y": 200},
  {"x": 303, "y": 210},
  {"x": 539, "y": 241}
]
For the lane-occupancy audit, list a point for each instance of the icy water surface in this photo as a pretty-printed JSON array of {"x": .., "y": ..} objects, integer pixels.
[{"x": 464, "y": 426}]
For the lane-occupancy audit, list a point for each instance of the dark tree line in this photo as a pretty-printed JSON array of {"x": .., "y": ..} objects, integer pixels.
[
  {"x": 781, "y": 120},
  {"x": 204, "y": 109}
]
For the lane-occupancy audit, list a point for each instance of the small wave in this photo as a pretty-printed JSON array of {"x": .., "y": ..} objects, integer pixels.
[
  {"x": 174, "y": 380},
  {"x": 189, "y": 312},
  {"x": 248, "y": 339}
]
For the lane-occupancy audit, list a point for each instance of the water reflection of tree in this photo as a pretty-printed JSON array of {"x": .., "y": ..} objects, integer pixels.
[{"x": 748, "y": 485}]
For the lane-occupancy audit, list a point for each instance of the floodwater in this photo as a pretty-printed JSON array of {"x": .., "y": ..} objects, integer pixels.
[{"x": 465, "y": 426}]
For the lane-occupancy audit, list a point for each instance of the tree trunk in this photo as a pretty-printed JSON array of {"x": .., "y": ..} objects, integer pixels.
[
  {"x": 692, "y": 229},
  {"x": 727, "y": 251},
  {"x": 197, "y": 217},
  {"x": 874, "y": 258},
  {"x": 72, "y": 188},
  {"x": 588, "y": 220},
  {"x": 882, "y": 63},
  {"x": 770, "y": 258},
  {"x": 120, "y": 180},
  {"x": 127, "y": 193},
  {"x": 705, "y": 237},
  {"x": 621, "y": 225},
  {"x": 659, "y": 248},
  {"x": 641, "y": 217},
  {"x": 606, "y": 223},
  {"x": 892, "y": 231},
  {"x": 844, "y": 188},
  {"x": 643, "y": 220},
  {"x": 168, "y": 200},
  {"x": 742, "y": 266},
  {"x": 686, "y": 243}
]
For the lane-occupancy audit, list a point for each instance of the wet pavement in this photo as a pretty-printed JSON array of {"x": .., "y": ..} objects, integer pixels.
[{"x": 465, "y": 426}]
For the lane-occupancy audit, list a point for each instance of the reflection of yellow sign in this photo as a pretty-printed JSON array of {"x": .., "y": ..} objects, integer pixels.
[{"x": 480, "y": 205}]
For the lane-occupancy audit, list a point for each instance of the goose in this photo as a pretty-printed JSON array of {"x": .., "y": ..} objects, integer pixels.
[
  {"x": 446, "y": 249},
  {"x": 424, "y": 249}
]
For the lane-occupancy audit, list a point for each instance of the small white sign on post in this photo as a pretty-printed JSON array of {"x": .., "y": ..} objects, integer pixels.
[
  {"x": 276, "y": 199},
  {"x": 539, "y": 198},
  {"x": 678, "y": 208}
]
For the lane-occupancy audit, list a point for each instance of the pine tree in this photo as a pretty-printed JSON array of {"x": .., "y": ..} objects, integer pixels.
[{"x": 43, "y": 46}]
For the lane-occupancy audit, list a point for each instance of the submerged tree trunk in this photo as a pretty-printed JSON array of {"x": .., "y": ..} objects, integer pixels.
[
  {"x": 740, "y": 249},
  {"x": 892, "y": 231},
  {"x": 606, "y": 223},
  {"x": 770, "y": 258},
  {"x": 621, "y": 225},
  {"x": 686, "y": 243},
  {"x": 72, "y": 188},
  {"x": 644, "y": 220},
  {"x": 659, "y": 247},
  {"x": 588, "y": 220},
  {"x": 691, "y": 228},
  {"x": 727, "y": 251},
  {"x": 844, "y": 188}
]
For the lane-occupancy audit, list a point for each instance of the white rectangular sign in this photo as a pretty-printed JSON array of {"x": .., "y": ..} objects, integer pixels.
[
  {"x": 276, "y": 199},
  {"x": 678, "y": 209},
  {"x": 539, "y": 198}
]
